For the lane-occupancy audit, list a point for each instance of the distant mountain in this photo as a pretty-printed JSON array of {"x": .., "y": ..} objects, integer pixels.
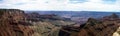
[
  {"x": 78, "y": 16},
  {"x": 94, "y": 14}
]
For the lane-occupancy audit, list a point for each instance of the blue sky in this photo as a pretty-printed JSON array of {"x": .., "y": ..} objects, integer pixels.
[{"x": 62, "y": 5}]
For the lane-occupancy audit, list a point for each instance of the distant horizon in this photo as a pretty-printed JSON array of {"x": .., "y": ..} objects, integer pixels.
[
  {"x": 70, "y": 11},
  {"x": 66, "y": 10}
]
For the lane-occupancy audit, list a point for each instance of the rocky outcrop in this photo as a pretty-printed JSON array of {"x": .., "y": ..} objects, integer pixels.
[
  {"x": 111, "y": 17},
  {"x": 12, "y": 23},
  {"x": 93, "y": 27},
  {"x": 117, "y": 33},
  {"x": 98, "y": 28}
]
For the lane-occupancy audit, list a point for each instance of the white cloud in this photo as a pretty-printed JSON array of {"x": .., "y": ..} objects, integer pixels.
[
  {"x": 95, "y": 1},
  {"x": 91, "y": 5}
]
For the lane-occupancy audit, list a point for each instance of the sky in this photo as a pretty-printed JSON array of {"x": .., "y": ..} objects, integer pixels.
[{"x": 62, "y": 5}]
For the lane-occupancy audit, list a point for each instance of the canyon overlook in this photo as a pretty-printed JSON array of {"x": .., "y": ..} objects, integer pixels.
[{"x": 15, "y": 22}]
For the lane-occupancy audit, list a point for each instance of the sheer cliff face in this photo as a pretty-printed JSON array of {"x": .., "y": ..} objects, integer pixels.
[{"x": 9, "y": 23}]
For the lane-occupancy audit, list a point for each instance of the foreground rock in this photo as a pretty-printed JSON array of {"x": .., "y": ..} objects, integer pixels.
[
  {"x": 12, "y": 23},
  {"x": 99, "y": 28},
  {"x": 117, "y": 33}
]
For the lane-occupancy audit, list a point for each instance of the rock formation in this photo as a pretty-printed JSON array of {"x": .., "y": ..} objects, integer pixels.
[
  {"x": 47, "y": 24},
  {"x": 111, "y": 17},
  {"x": 98, "y": 28},
  {"x": 12, "y": 23},
  {"x": 93, "y": 27}
]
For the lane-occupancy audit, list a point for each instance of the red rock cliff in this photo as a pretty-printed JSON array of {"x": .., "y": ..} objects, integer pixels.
[{"x": 11, "y": 25}]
